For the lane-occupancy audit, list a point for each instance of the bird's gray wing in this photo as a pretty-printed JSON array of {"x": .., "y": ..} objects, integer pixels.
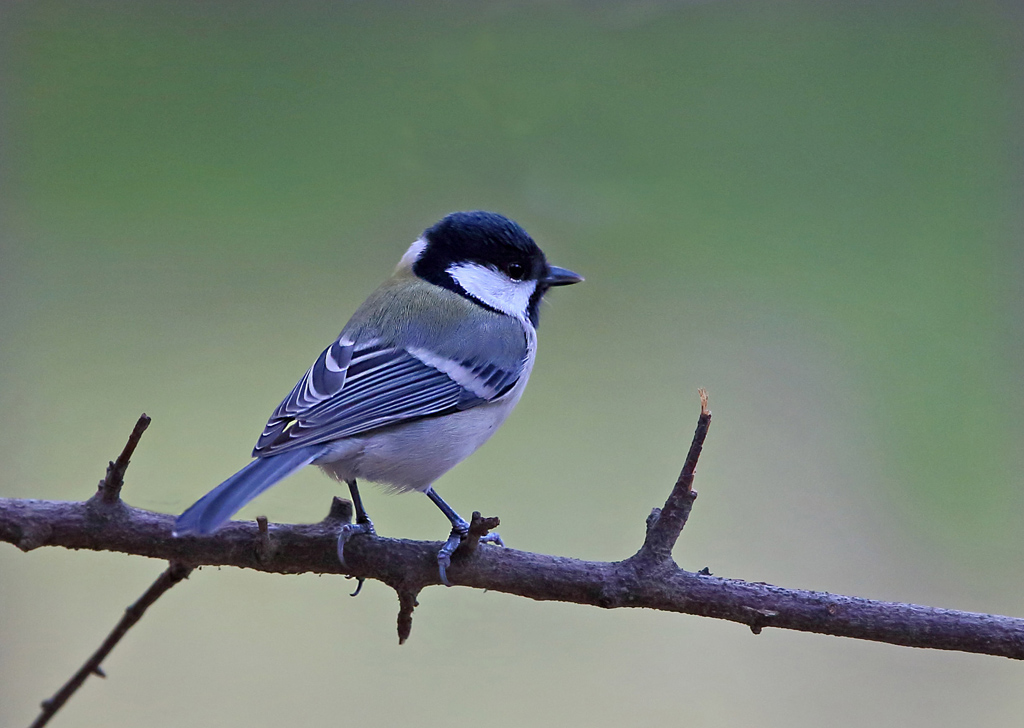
[{"x": 353, "y": 388}]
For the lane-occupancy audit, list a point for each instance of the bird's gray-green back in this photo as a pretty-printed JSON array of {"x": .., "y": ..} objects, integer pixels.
[
  {"x": 412, "y": 312},
  {"x": 412, "y": 350}
]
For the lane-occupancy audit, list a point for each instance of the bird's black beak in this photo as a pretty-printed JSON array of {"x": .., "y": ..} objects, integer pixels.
[{"x": 561, "y": 276}]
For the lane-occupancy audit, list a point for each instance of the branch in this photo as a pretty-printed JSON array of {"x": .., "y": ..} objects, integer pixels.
[
  {"x": 170, "y": 577},
  {"x": 408, "y": 566},
  {"x": 108, "y": 493},
  {"x": 110, "y": 487},
  {"x": 665, "y": 524},
  {"x": 647, "y": 579}
]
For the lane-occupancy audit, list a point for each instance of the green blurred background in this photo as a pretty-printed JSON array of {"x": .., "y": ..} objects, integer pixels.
[{"x": 809, "y": 208}]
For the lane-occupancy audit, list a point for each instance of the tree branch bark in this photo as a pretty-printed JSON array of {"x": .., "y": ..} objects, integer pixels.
[
  {"x": 409, "y": 566},
  {"x": 648, "y": 579}
]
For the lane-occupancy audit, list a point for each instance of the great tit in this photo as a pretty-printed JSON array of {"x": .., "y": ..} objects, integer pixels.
[{"x": 422, "y": 375}]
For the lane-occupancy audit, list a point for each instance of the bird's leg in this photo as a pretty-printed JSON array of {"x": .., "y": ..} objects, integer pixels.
[
  {"x": 460, "y": 529},
  {"x": 357, "y": 502},
  {"x": 363, "y": 524}
]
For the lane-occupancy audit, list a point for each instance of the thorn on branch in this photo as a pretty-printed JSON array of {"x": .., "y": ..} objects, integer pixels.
[
  {"x": 406, "y": 603},
  {"x": 109, "y": 490},
  {"x": 760, "y": 618},
  {"x": 479, "y": 527},
  {"x": 264, "y": 546},
  {"x": 340, "y": 512}
]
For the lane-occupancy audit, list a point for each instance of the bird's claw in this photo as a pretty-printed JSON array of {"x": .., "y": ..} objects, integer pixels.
[
  {"x": 492, "y": 538},
  {"x": 348, "y": 531}
]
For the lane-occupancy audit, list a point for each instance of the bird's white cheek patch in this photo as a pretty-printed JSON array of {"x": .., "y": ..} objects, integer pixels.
[{"x": 493, "y": 288}]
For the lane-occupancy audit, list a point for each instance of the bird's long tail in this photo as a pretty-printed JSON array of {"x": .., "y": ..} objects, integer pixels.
[{"x": 213, "y": 509}]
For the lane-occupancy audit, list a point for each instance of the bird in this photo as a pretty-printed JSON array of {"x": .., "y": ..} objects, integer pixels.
[{"x": 425, "y": 371}]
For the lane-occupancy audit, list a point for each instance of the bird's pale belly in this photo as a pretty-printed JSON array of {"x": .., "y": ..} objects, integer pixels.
[{"x": 412, "y": 456}]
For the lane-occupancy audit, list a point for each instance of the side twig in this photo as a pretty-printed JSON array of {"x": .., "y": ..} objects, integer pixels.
[
  {"x": 110, "y": 487},
  {"x": 108, "y": 494},
  {"x": 171, "y": 576},
  {"x": 665, "y": 525}
]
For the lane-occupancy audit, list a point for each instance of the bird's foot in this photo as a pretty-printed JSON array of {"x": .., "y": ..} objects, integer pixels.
[
  {"x": 348, "y": 531},
  {"x": 444, "y": 556},
  {"x": 455, "y": 539}
]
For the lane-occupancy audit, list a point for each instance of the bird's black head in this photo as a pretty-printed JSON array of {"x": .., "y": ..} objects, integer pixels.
[{"x": 489, "y": 259}]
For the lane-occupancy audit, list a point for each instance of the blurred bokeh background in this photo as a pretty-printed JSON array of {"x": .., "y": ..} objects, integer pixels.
[{"x": 812, "y": 209}]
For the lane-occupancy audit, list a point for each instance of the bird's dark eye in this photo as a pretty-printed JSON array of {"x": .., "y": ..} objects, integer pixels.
[{"x": 516, "y": 271}]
